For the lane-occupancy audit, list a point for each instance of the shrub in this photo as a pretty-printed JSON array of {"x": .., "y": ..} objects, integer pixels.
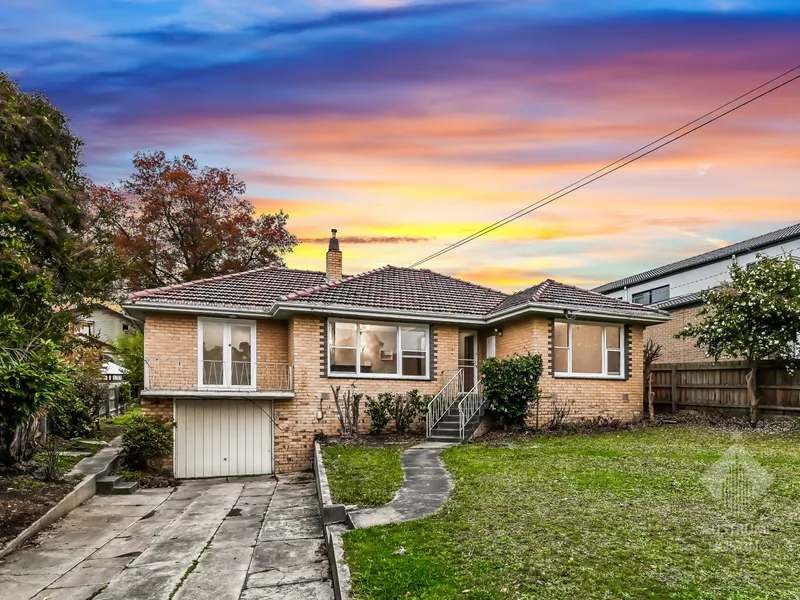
[
  {"x": 70, "y": 417},
  {"x": 145, "y": 440},
  {"x": 378, "y": 411},
  {"x": 511, "y": 385},
  {"x": 406, "y": 408}
]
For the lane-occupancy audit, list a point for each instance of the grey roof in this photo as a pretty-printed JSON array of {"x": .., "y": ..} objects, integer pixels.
[
  {"x": 561, "y": 295},
  {"x": 403, "y": 289},
  {"x": 756, "y": 243},
  {"x": 679, "y": 301},
  {"x": 256, "y": 289}
]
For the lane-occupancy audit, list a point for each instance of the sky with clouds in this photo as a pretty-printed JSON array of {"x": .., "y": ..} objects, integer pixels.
[{"x": 409, "y": 125}]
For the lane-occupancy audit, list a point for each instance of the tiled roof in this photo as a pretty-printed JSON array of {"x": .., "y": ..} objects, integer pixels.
[
  {"x": 756, "y": 243},
  {"x": 403, "y": 289},
  {"x": 569, "y": 296},
  {"x": 679, "y": 301},
  {"x": 258, "y": 289}
]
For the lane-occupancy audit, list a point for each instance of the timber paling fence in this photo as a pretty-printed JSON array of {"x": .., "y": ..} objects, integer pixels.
[{"x": 723, "y": 386}]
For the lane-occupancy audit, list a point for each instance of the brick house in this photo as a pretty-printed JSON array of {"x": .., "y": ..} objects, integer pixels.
[{"x": 243, "y": 364}]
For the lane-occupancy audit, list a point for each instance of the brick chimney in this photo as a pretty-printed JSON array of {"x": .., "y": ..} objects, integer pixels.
[{"x": 333, "y": 259}]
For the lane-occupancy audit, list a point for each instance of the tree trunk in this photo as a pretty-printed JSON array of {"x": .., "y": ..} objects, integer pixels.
[
  {"x": 752, "y": 392},
  {"x": 651, "y": 398}
]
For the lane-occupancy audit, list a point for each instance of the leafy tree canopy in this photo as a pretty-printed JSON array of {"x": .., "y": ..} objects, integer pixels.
[
  {"x": 130, "y": 350},
  {"x": 753, "y": 316},
  {"x": 173, "y": 221}
]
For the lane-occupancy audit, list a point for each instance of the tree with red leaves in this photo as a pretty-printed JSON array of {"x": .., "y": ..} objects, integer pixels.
[{"x": 172, "y": 222}]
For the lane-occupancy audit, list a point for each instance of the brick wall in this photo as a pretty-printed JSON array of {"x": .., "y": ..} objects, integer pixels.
[
  {"x": 296, "y": 420},
  {"x": 583, "y": 398},
  {"x": 160, "y": 408},
  {"x": 673, "y": 350}
]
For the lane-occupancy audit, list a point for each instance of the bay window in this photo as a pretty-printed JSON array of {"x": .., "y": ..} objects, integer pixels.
[
  {"x": 226, "y": 353},
  {"x": 379, "y": 350},
  {"x": 588, "y": 350}
]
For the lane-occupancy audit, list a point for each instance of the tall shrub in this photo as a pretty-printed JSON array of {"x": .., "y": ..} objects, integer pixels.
[
  {"x": 145, "y": 440},
  {"x": 511, "y": 385}
]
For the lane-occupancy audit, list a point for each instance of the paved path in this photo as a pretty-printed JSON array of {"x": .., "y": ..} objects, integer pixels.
[
  {"x": 254, "y": 538},
  {"x": 426, "y": 487}
]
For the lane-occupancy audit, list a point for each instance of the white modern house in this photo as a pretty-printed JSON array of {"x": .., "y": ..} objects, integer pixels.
[{"x": 676, "y": 287}]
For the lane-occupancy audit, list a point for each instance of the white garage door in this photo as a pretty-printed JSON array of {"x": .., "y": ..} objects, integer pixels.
[{"x": 216, "y": 438}]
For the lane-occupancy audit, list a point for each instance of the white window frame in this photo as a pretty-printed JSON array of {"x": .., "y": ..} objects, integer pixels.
[
  {"x": 357, "y": 374},
  {"x": 605, "y": 350},
  {"x": 226, "y": 354},
  {"x": 491, "y": 346}
]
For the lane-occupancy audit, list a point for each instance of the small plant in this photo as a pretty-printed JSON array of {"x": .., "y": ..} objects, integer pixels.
[
  {"x": 378, "y": 411},
  {"x": 348, "y": 407},
  {"x": 406, "y": 408},
  {"x": 511, "y": 385},
  {"x": 51, "y": 464},
  {"x": 145, "y": 440}
]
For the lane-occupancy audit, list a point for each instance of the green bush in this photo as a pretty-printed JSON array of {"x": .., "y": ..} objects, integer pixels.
[
  {"x": 511, "y": 385},
  {"x": 406, "y": 408},
  {"x": 145, "y": 440},
  {"x": 70, "y": 417},
  {"x": 378, "y": 411}
]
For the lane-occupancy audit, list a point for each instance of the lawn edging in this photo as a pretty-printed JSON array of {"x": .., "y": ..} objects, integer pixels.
[
  {"x": 96, "y": 466},
  {"x": 334, "y": 517}
]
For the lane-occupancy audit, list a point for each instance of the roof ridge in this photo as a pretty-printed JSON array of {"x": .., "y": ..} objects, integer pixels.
[
  {"x": 477, "y": 285},
  {"x": 616, "y": 300},
  {"x": 326, "y": 286},
  {"x": 185, "y": 284},
  {"x": 542, "y": 287}
]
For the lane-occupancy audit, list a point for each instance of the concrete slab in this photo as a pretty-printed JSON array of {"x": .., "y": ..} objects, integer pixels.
[
  {"x": 212, "y": 585},
  {"x": 91, "y": 572},
  {"x": 280, "y": 501},
  {"x": 84, "y": 592},
  {"x": 22, "y": 587},
  {"x": 42, "y": 562},
  {"x": 317, "y": 571},
  {"x": 216, "y": 559},
  {"x": 124, "y": 547},
  {"x": 318, "y": 590},
  {"x": 287, "y": 553},
  {"x": 432, "y": 446},
  {"x": 299, "y": 477},
  {"x": 292, "y": 512},
  {"x": 154, "y": 582},
  {"x": 291, "y": 529}
]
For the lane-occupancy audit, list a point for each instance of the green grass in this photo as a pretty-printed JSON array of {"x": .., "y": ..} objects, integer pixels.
[
  {"x": 111, "y": 428},
  {"x": 605, "y": 516},
  {"x": 363, "y": 475}
]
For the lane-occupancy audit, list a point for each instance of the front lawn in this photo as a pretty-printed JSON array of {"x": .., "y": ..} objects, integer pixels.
[
  {"x": 363, "y": 475},
  {"x": 614, "y": 515}
]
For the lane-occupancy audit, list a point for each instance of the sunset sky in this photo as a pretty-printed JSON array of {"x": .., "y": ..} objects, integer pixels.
[{"x": 410, "y": 125}]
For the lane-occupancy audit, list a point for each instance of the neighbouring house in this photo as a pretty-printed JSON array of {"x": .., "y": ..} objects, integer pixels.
[
  {"x": 243, "y": 364},
  {"x": 106, "y": 324},
  {"x": 675, "y": 288}
]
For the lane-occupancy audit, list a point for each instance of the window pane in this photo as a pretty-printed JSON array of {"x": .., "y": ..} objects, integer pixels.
[
  {"x": 659, "y": 294},
  {"x": 560, "y": 364},
  {"x": 614, "y": 362},
  {"x": 212, "y": 354},
  {"x": 344, "y": 334},
  {"x": 378, "y": 349},
  {"x": 343, "y": 360},
  {"x": 612, "y": 337},
  {"x": 587, "y": 349},
  {"x": 414, "y": 365},
  {"x": 414, "y": 338},
  {"x": 561, "y": 337},
  {"x": 641, "y": 298},
  {"x": 241, "y": 355}
]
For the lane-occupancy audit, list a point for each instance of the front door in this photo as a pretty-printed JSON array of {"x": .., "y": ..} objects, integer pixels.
[{"x": 468, "y": 358}]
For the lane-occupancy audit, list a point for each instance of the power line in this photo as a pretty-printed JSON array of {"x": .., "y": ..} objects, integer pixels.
[{"x": 600, "y": 173}]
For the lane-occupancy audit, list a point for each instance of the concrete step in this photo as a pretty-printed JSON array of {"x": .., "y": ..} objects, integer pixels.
[
  {"x": 439, "y": 438},
  {"x": 105, "y": 485}
]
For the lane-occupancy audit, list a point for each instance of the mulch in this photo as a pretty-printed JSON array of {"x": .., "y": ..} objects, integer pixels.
[
  {"x": 21, "y": 506},
  {"x": 386, "y": 439}
]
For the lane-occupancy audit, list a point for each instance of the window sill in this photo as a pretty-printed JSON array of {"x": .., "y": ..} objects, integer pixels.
[
  {"x": 588, "y": 376},
  {"x": 377, "y": 377}
]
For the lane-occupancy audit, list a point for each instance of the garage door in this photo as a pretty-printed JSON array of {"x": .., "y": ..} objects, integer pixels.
[{"x": 216, "y": 438}]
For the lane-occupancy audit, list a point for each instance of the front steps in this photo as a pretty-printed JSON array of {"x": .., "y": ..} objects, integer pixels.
[
  {"x": 446, "y": 430},
  {"x": 114, "y": 484}
]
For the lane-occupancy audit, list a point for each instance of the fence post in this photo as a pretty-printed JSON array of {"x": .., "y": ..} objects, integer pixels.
[{"x": 674, "y": 381}]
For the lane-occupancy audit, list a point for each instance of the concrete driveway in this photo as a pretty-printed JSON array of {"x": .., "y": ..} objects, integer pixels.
[{"x": 253, "y": 538}]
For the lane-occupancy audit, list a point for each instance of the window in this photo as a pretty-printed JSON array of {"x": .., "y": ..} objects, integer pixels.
[
  {"x": 587, "y": 349},
  {"x": 90, "y": 328},
  {"x": 491, "y": 346},
  {"x": 377, "y": 350},
  {"x": 658, "y": 294},
  {"x": 226, "y": 353},
  {"x": 125, "y": 327}
]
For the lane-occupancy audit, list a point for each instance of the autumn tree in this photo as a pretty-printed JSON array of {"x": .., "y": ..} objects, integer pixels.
[
  {"x": 754, "y": 316},
  {"x": 51, "y": 269},
  {"x": 173, "y": 221}
]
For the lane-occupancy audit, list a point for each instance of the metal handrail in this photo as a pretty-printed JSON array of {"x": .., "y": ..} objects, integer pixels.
[
  {"x": 189, "y": 374},
  {"x": 469, "y": 405},
  {"x": 442, "y": 401}
]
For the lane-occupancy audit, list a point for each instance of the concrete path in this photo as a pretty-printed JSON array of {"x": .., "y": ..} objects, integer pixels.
[
  {"x": 254, "y": 538},
  {"x": 426, "y": 487}
]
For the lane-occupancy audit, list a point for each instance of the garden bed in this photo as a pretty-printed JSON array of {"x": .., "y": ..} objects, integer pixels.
[{"x": 623, "y": 514}]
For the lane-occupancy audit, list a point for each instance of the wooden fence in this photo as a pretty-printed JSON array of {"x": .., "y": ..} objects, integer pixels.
[{"x": 722, "y": 386}]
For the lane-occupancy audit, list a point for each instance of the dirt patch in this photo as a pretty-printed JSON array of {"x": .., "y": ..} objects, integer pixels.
[
  {"x": 23, "y": 500},
  {"x": 390, "y": 439}
]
